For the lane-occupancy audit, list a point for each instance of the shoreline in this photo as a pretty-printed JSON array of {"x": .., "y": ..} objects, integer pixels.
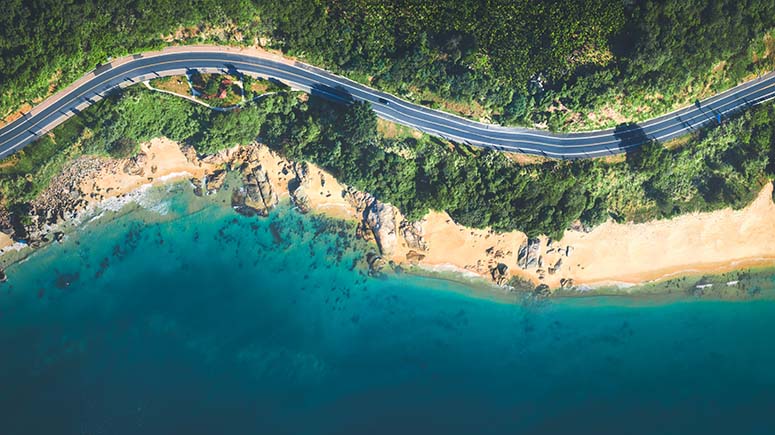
[{"x": 620, "y": 258}]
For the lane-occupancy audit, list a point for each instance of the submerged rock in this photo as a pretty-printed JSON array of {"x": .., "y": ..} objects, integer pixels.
[
  {"x": 196, "y": 183},
  {"x": 214, "y": 182},
  {"x": 376, "y": 263}
]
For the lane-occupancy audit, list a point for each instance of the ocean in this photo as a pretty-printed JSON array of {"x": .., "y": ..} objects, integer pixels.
[{"x": 178, "y": 316}]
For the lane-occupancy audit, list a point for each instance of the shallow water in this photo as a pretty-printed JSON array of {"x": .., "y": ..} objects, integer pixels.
[{"x": 203, "y": 321}]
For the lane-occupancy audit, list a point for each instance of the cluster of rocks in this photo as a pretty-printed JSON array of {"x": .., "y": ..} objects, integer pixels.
[
  {"x": 500, "y": 274},
  {"x": 297, "y": 186},
  {"x": 136, "y": 165},
  {"x": 209, "y": 184},
  {"x": 528, "y": 256},
  {"x": 60, "y": 201},
  {"x": 256, "y": 196},
  {"x": 412, "y": 234}
]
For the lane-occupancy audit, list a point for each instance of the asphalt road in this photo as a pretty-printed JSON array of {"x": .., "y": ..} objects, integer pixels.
[{"x": 300, "y": 76}]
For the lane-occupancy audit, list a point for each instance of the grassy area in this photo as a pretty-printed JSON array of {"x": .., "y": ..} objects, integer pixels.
[
  {"x": 391, "y": 130},
  {"x": 217, "y": 90},
  {"x": 26, "y": 173},
  {"x": 175, "y": 84}
]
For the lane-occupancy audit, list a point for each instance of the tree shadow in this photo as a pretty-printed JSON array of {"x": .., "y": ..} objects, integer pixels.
[
  {"x": 336, "y": 94},
  {"x": 630, "y": 136}
]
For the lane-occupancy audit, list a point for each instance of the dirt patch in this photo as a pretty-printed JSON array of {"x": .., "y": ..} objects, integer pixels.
[
  {"x": 26, "y": 107},
  {"x": 175, "y": 84},
  {"x": 391, "y": 130},
  {"x": 526, "y": 159}
]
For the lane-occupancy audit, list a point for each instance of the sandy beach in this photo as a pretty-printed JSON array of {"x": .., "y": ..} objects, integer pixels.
[
  {"x": 611, "y": 253},
  {"x": 713, "y": 242},
  {"x": 164, "y": 161}
]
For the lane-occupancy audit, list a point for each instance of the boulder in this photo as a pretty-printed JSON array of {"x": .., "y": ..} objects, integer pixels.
[
  {"x": 381, "y": 219},
  {"x": 214, "y": 181},
  {"x": 500, "y": 274},
  {"x": 414, "y": 257},
  {"x": 412, "y": 233},
  {"x": 196, "y": 183},
  {"x": 300, "y": 199},
  {"x": 135, "y": 165},
  {"x": 556, "y": 268},
  {"x": 528, "y": 253}
]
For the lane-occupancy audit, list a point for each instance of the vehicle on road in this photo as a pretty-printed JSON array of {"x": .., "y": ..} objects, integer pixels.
[{"x": 384, "y": 101}]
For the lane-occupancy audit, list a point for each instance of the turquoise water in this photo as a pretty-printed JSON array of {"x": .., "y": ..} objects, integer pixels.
[{"x": 202, "y": 321}]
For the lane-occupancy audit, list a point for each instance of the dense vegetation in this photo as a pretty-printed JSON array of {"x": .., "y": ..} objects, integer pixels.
[
  {"x": 513, "y": 61},
  {"x": 718, "y": 167},
  {"x": 519, "y": 59},
  {"x": 49, "y": 43}
]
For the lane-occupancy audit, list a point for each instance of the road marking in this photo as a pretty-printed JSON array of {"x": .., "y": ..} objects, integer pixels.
[{"x": 426, "y": 121}]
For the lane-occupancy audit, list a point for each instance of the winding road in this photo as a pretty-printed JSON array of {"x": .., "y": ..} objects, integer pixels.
[{"x": 137, "y": 68}]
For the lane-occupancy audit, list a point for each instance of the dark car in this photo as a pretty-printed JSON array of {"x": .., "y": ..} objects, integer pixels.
[{"x": 384, "y": 101}]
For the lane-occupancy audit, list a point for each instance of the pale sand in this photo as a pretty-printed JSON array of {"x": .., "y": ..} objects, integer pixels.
[
  {"x": 612, "y": 253},
  {"x": 165, "y": 161},
  {"x": 5, "y": 241},
  {"x": 713, "y": 242},
  {"x": 323, "y": 191},
  {"x": 462, "y": 247},
  {"x": 619, "y": 254}
]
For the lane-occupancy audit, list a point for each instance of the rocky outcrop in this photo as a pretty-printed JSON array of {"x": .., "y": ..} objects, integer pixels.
[
  {"x": 135, "y": 165},
  {"x": 256, "y": 196},
  {"x": 414, "y": 257},
  {"x": 62, "y": 199},
  {"x": 412, "y": 233},
  {"x": 528, "y": 254},
  {"x": 6, "y": 222},
  {"x": 298, "y": 185},
  {"x": 359, "y": 200},
  {"x": 214, "y": 182},
  {"x": 381, "y": 219},
  {"x": 376, "y": 263},
  {"x": 500, "y": 274}
]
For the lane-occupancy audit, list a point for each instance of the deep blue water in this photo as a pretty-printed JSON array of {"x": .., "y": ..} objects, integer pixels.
[{"x": 202, "y": 321}]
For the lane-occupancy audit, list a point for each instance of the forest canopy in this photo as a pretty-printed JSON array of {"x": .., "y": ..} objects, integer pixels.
[
  {"x": 722, "y": 167},
  {"x": 511, "y": 60}
]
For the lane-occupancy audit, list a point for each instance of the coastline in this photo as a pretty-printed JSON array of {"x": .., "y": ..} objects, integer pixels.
[{"x": 611, "y": 258}]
